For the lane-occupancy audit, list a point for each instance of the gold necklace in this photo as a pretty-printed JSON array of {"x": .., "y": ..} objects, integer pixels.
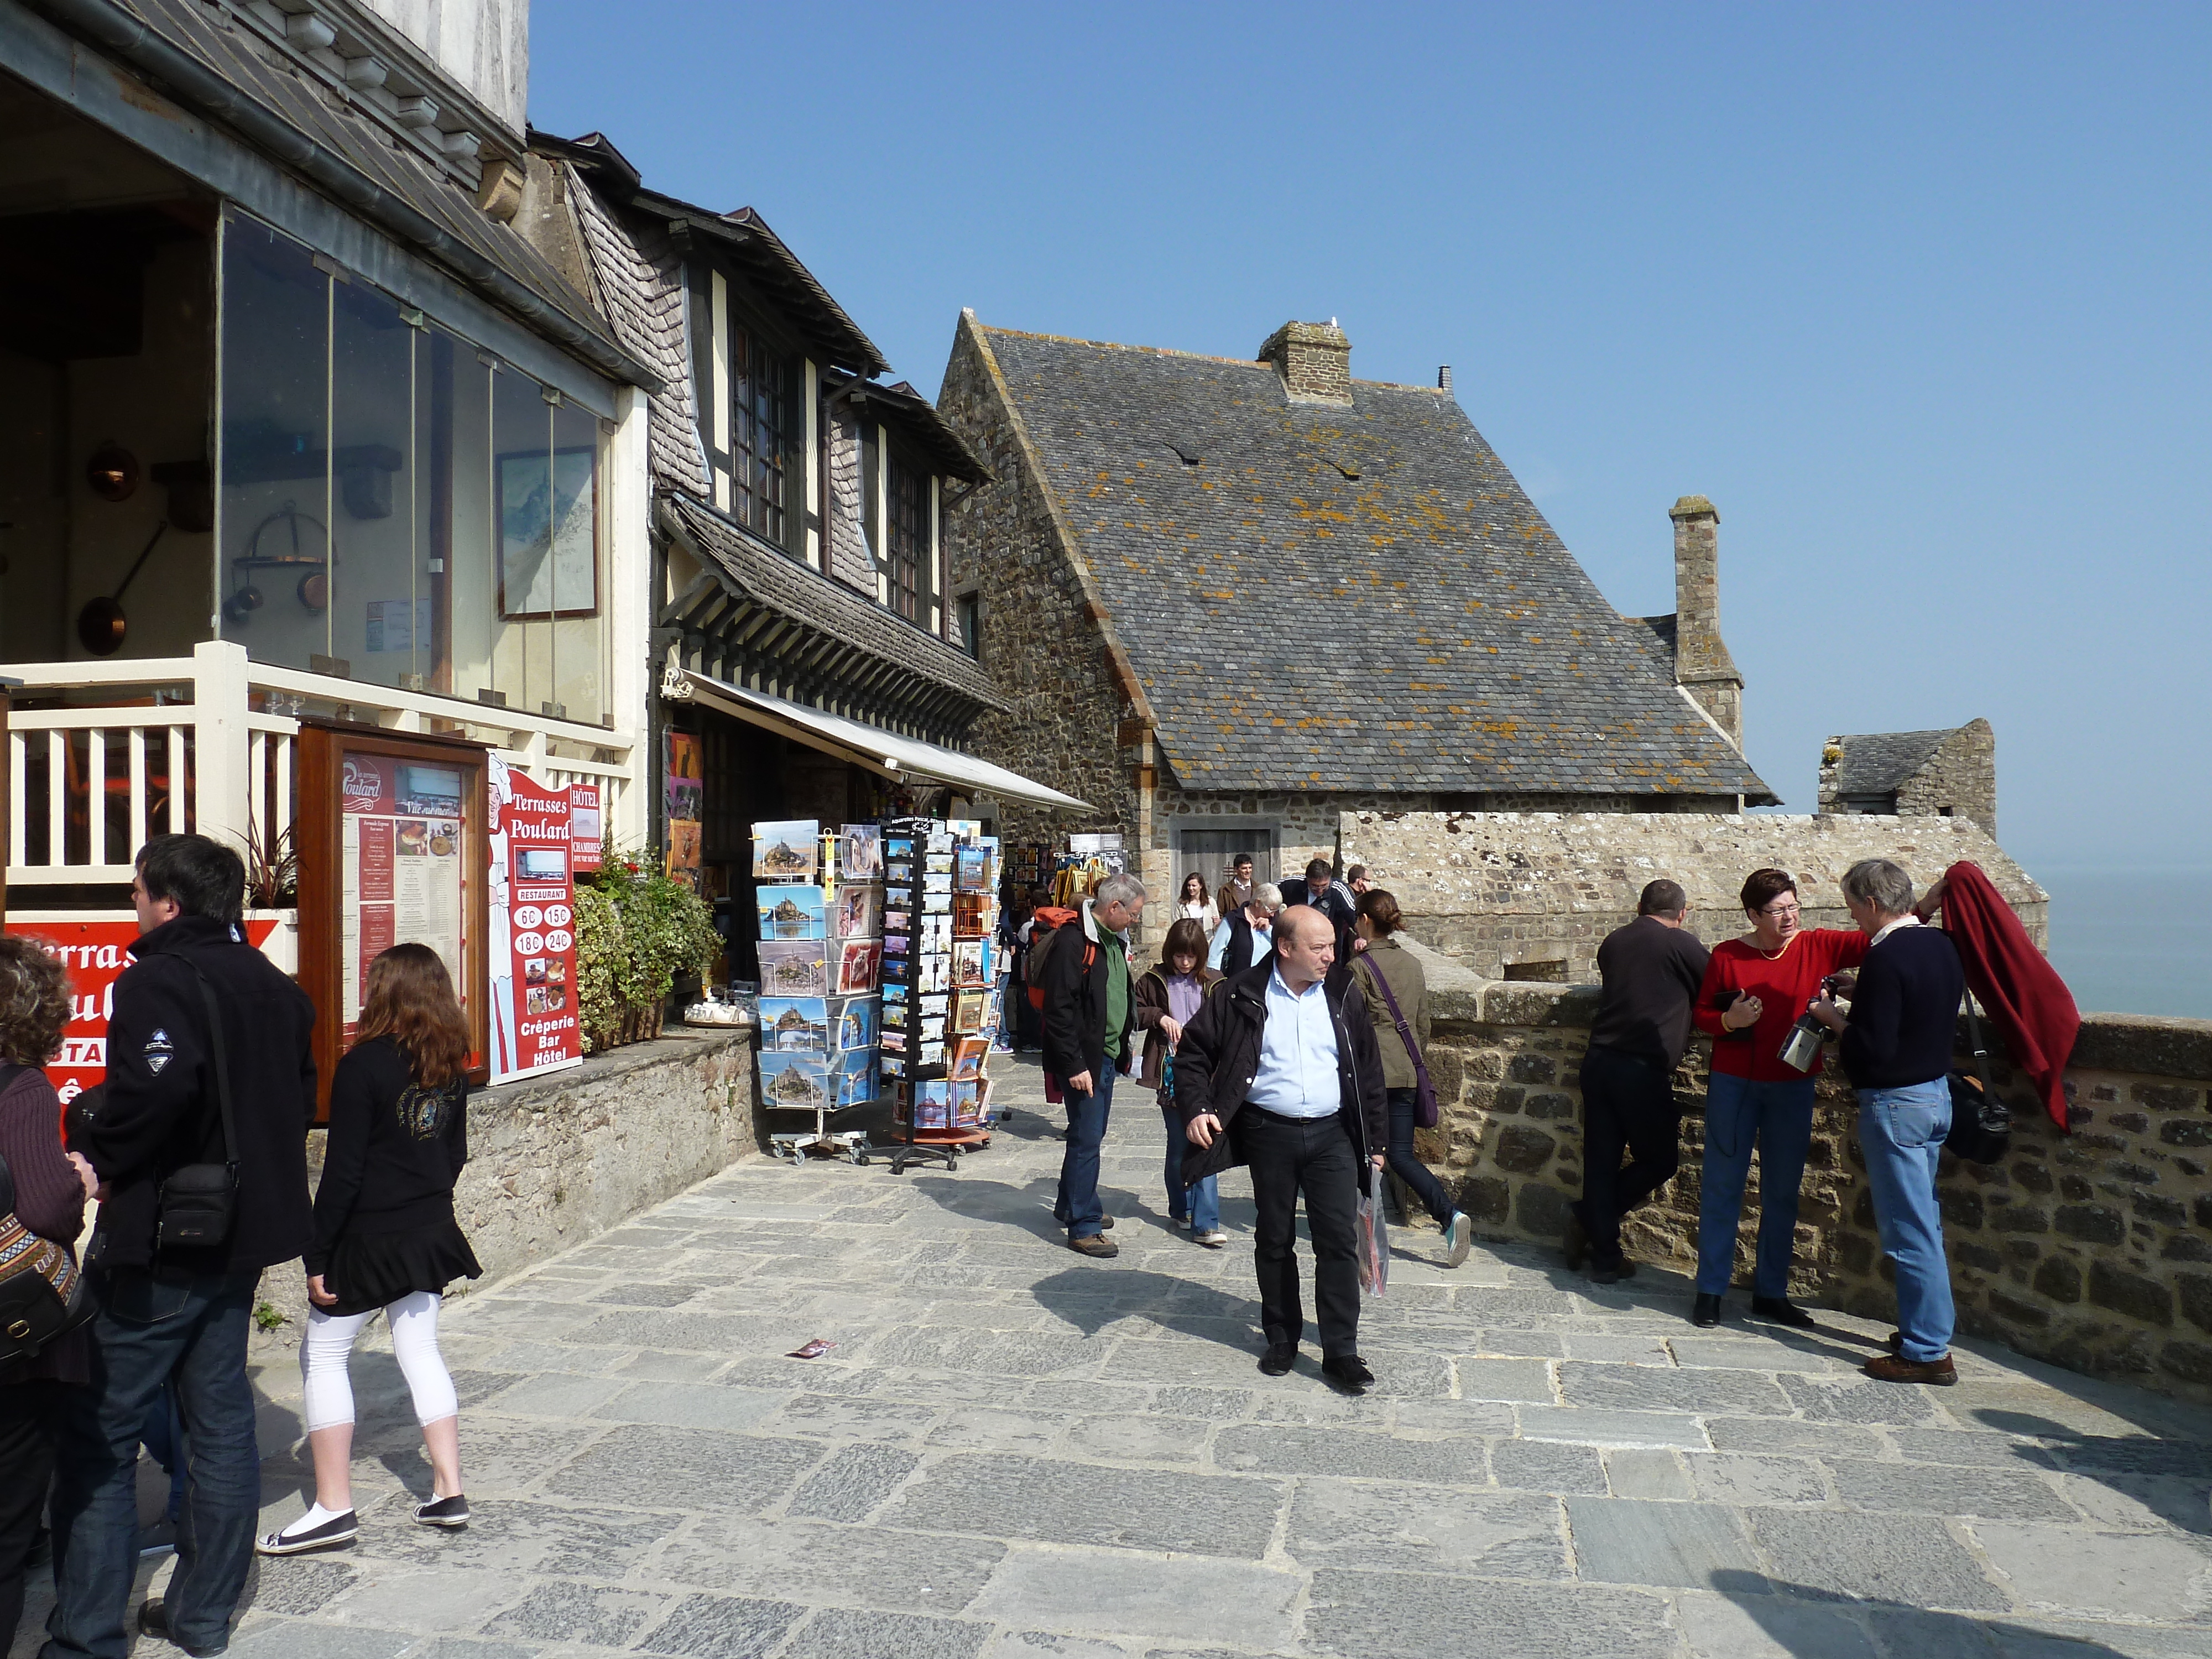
[{"x": 1783, "y": 952}]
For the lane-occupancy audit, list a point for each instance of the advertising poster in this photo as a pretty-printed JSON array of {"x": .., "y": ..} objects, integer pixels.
[
  {"x": 684, "y": 777},
  {"x": 587, "y": 828},
  {"x": 95, "y": 954},
  {"x": 400, "y": 850},
  {"x": 534, "y": 1027}
]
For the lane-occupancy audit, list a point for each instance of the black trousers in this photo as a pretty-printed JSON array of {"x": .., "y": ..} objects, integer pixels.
[
  {"x": 1627, "y": 1101},
  {"x": 1315, "y": 1157},
  {"x": 30, "y": 1426}
]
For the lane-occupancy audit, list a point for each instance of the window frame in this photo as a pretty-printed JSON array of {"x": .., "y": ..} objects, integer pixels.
[{"x": 913, "y": 563}]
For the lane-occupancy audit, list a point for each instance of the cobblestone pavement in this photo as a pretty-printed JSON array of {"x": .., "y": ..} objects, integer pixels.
[{"x": 1013, "y": 1450}]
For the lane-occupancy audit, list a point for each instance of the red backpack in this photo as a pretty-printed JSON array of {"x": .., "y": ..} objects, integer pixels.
[{"x": 1049, "y": 924}]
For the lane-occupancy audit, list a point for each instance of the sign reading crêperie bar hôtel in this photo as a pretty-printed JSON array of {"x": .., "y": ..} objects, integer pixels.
[{"x": 534, "y": 1027}]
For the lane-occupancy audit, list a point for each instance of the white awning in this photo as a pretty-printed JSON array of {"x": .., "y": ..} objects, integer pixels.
[{"x": 880, "y": 751}]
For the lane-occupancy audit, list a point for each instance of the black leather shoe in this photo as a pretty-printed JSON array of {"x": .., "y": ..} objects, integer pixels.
[
  {"x": 1575, "y": 1243},
  {"x": 1349, "y": 1373},
  {"x": 154, "y": 1620},
  {"x": 1612, "y": 1272},
  {"x": 1705, "y": 1310},
  {"x": 1277, "y": 1361},
  {"x": 1783, "y": 1312}
]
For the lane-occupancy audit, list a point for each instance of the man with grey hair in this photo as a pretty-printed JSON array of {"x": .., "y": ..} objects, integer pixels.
[
  {"x": 1896, "y": 1048},
  {"x": 1247, "y": 933},
  {"x": 1089, "y": 1019}
]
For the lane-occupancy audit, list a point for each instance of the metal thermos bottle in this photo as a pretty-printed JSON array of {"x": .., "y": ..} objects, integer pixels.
[{"x": 1802, "y": 1050}]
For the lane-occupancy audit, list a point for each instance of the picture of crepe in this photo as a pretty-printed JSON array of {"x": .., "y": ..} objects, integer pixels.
[
  {"x": 445, "y": 840},
  {"x": 413, "y": 840},
  {"x": 533, "y": 971},
  {"x": 793, "y": 968}
]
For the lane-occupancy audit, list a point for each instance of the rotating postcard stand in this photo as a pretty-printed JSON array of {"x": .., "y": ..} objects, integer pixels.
[{"x": 818, "y": 958}]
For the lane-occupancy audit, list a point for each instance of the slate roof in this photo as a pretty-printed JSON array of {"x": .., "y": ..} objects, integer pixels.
[
  {"x": 1876, "y": 763},
  {"x": 859, "y": 641},
  {"x": 1318, "y": 597},
  {"x": 256, "y": 67}
]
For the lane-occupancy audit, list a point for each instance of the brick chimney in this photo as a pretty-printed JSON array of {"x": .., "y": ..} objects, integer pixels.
[
  {"x": 1703, "y": 667},
  {"x": 1315, "y": 360}
]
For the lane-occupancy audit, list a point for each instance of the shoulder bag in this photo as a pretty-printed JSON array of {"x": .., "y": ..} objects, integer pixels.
[
  {"x": 1981, "y": 1124},
  {"x": 42, "y": 1293},
  {"x": 1425, "y": 1092},
  {"x": 199, "y": 1202}
]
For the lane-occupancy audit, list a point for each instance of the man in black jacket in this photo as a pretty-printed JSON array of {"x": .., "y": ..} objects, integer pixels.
[
  {"x": 1896, "y": 1050},
  {"x": 1280, "y": 1072},
  {"x": 170, "y": 1312},
  {"x": 1320, "y": 891},
  {"x": 1089, "y": 1025}
]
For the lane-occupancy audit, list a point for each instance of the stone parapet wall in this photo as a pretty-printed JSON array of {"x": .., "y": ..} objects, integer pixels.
[
  {"x": 2092, "y": 1251},
  {"x": 1499, "y": 890},
  {"x": 556, "y": 1161}
]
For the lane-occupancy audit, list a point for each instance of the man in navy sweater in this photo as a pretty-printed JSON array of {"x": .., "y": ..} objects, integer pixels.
[{"x": 1896, "y": 1050}]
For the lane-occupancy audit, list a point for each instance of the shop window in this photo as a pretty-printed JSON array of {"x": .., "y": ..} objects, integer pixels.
[
  {"x": 759, "y": 430},
  {"x": 398, "y": 506},
  {"x": 906, "y": 491}
]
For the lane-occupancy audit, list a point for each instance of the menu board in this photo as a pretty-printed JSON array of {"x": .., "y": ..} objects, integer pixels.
[
  {"x": 401, "y": 838},
  {"x": 532, "y": 922}
]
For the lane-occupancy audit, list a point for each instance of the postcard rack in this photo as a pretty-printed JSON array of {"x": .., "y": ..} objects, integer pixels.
[{"x": 819, "y": 897}]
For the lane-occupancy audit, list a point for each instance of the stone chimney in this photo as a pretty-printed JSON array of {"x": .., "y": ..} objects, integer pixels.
[
  {"x": 1315, "y": 360},
  {"x": 1703, "y": 667}
]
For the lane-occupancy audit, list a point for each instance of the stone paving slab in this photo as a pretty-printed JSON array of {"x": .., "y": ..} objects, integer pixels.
[{"x": 1013, "y": 1453}]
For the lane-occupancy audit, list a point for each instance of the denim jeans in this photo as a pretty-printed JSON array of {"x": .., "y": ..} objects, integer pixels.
[
  {"x": 1201, "y": 1205},
  {"x": 30, "y": 1419},
  {"x": 149, "y": 1329},
  {"x": 1076, "y": 1206},
  {"x": 1901, "y": 1132},
  {"x": 1778, "y": 1118},
  {"x": 1409, "y": 1169}
]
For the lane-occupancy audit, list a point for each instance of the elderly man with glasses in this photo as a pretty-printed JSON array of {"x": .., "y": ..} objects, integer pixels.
[{"x": 1755, "y": 990}]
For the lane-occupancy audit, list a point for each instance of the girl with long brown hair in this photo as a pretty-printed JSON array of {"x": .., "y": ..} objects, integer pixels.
[{"x": 386, "y": 1237}]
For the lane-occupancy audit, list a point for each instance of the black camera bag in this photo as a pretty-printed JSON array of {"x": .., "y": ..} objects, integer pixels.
[
  {"x": 198, "y": 1203},
  {"x": 1981, "y": 1124}
]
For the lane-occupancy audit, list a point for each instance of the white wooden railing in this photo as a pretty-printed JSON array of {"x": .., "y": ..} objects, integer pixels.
[{"x": 208, "y": 742}]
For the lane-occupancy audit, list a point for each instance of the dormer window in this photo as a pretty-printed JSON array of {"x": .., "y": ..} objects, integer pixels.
[{"x": 760, "y": 424}]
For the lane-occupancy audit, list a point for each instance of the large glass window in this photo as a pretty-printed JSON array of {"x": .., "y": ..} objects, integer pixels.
[
  {"x": 398, "y": 506},
  {"x": 906, "y": 491},
  {"x": 759, "y": 426}
]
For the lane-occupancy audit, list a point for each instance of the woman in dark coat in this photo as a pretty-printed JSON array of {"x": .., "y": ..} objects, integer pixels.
[
  {"x": 386, "y": 1237},
  {"x": 1168, "y": 998},
  {"x": 50, "y": 1191}
]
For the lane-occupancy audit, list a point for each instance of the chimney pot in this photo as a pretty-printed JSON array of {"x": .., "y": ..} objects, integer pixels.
[
  {"x": 1315, "y": 360},
  {"x": 1444, "y": 380}
]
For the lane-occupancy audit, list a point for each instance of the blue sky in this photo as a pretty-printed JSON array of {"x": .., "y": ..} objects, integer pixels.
[{"x": 1915, "y": 295}]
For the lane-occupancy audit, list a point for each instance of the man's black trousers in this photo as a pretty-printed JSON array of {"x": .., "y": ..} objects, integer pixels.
[
  {"x": 1627, "y": 1101},
  {"x": 1288, "y": 1156}
]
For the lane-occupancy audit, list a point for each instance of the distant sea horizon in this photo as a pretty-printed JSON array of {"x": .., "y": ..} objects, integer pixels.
[{"x": 2132, "y": 940}]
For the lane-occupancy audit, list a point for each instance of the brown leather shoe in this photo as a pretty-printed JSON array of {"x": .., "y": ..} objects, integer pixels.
[
  {"x": 1896, "y": 1368},
  {"x": 1095, "y": 1244}
]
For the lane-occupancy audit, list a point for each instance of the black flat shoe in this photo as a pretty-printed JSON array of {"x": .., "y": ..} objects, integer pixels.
[
  {"x": 1613, "y": 1272},
  {"x": 1349, "y": 1373},
  {"x": 443, "y": 1512},
  {"x": 1278, "y": 1361},
  {"x": 1705, "y": 1310},
  {"x": 1783, "y": 1312},
  {"x": 338, "y": 1530}
]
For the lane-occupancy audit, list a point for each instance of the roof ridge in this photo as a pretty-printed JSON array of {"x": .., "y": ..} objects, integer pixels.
[{"x": 1194, "y": 356}]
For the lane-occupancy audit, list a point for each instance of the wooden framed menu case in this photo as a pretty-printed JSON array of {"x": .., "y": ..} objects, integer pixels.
[{"x": 391, "y": 831}]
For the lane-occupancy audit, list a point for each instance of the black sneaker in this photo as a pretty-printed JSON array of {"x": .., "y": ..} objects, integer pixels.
[
  {"x": 338, "y": 1530},
  {"x": 443, "y": 1512}
]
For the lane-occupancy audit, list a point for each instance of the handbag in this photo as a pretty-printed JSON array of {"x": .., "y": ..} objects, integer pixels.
[
  {"x": 198, "y": 1203},
  {"x": 1425, "y": 1092},
  {"x": 1981, "y": 1124},
  {"x": 42, "y": 1294}
]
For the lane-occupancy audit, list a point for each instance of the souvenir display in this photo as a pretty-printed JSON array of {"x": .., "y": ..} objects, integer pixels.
[
  {"x": 791, "y": 912},
  {"x": 787, "y": 850},
  {"x": 795, "y": 1025}
]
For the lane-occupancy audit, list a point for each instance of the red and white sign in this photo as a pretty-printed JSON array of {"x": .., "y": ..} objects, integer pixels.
[
  {"x": 586, "y": 830},
  {"x": 534, "y": 1023},
  {"x": 95, "y": 953}
]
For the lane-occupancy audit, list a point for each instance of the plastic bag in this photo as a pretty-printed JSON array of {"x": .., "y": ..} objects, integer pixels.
[{"x": 1374, "y": 1238}]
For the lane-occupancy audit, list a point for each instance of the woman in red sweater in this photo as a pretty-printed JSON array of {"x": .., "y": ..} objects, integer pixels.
[{"x": 1754, "y": 989}]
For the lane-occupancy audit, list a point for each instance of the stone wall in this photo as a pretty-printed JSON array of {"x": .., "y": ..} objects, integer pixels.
[
  {"x": 2087, "y": 1250},
  {"x": 1494, "y": 890},
  {"x": 553, "y": 1162}
]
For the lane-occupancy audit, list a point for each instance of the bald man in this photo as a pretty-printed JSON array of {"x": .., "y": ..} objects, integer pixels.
[{"x": 1280, "y": 1072}]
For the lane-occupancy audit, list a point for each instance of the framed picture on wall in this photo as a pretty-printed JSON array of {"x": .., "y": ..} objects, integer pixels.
[{"x": 547, "y": 533}]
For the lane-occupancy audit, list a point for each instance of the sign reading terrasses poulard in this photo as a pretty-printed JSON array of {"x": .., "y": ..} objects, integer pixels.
[{"x": 534, "y": 1023}]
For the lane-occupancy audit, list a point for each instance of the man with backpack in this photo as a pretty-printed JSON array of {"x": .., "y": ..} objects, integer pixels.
[
  {"x": 1082, "y": 968},
  {"x": 200, "y": 1147}
]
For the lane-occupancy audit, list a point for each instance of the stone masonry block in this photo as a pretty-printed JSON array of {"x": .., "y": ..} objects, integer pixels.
[
  {"x": 2129, "y": 1293},
  {"x": 1523, "y": 1150}
]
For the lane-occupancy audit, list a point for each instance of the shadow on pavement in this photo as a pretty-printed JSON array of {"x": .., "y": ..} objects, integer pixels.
[
  {"x": 2171, "y": 1478},
  {"x": 1790, "y": 1615},
  {"x": 1090, "y": 1300}
]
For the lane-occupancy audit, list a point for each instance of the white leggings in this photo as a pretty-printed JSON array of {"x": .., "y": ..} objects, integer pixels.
[{"x": 327, "y": 1394}]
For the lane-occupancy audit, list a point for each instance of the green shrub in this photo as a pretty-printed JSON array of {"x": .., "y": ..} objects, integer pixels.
[{"x": 636, "y": 931}]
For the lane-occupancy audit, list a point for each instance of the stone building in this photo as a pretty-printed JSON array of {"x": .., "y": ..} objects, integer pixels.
[
  {"x": 1228, "y": 600},
  {"x": 1914, "y": 775}
]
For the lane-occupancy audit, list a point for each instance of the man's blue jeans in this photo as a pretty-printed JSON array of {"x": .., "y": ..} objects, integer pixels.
[
  {"x": 1199, "y": 1205},
  {"x": 192, "y": 1328},
  {"x": 1901, "y": 1132},
  {"x": 1076, "y": 1208},
  {"x": 1778, "y": 1117}
]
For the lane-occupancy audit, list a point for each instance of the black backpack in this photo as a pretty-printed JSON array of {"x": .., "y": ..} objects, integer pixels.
[{"x": 1981, "y": 1124}]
